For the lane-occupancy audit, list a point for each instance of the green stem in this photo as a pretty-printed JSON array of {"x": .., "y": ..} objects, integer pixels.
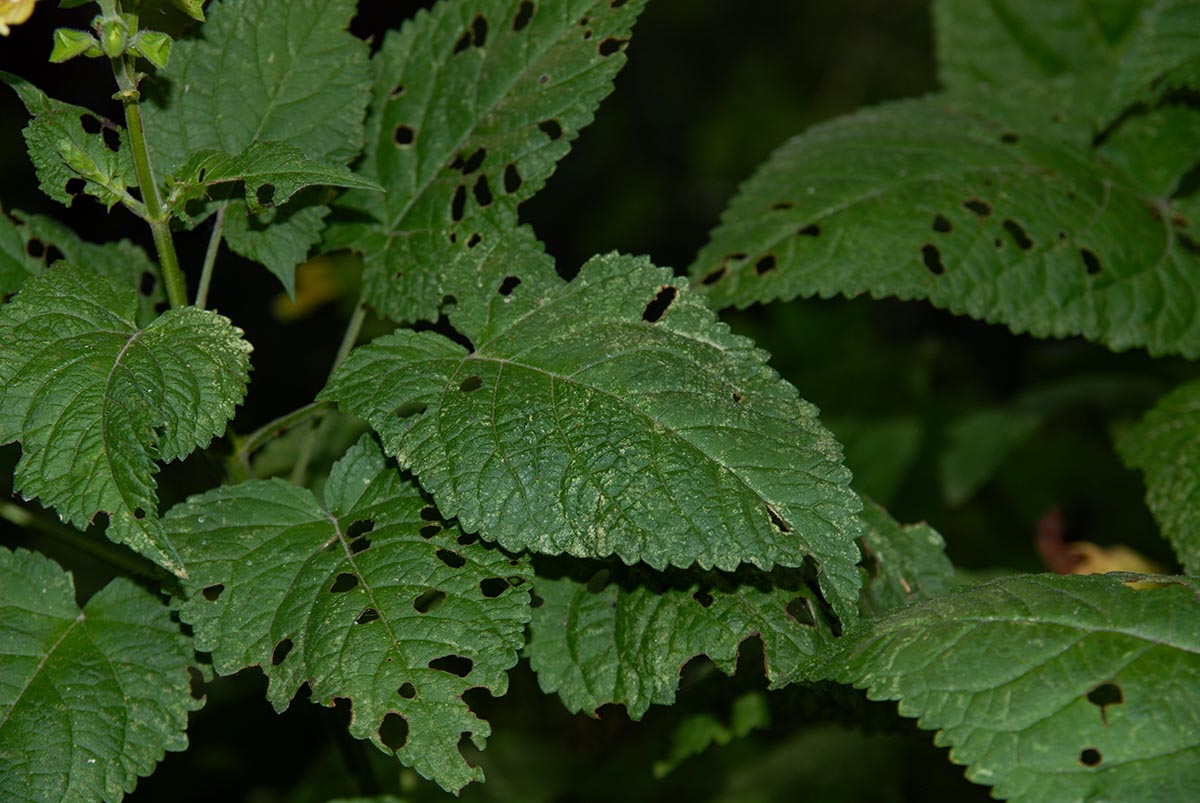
[
  {"x": 210, "y": 257},
  {"x": 353, "y": 329},
  {"x": 100, "y": 548},
  {"x": 156, "y": 216}
]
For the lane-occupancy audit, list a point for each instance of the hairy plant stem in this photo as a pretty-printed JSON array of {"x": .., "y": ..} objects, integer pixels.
[
  {"x": 156, "y": 216},
  {"x": 353, "y": 328},
  {"x": 210, "y": 257},
  {"x": 124, "y": 561}
]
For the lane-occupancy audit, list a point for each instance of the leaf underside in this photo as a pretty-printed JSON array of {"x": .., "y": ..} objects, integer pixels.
[
  {"x": 614, "y": 415},
  {"x": 91, "y": 699},
  {"x": 369, "y": 597},
  {"x": 1049, "y": 688}
]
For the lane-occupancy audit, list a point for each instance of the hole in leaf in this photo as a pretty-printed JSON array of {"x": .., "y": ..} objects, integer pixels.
[
  {"x": 703, "y": 597},
  {"x": 368, "y": 615},
  {"x": 998, "y": 243},
  {"x": 404, "y": 135},
  {"x": 479, "y": 31},
  {"x": 777, "y": 521},
  {"x": 148, "y": 282},
  {"x": 451, "y": 558},
  {"x": 429, "y": 530},
  {"x": 981, "y": 208},
  {"x": 265, "y": 194},
  {"x": 280, "y": 653},
  {"x": 470, "y": 384},
  {"x": 90, "y": 123},
  {"x": 1104, "y": 695},
  {"x": 811, "y": 230},
  {"x": 394, "y": 731},
  {"x": 1010, "y": 138},
  {"x": 1018, "y": 233},
  {"x": 466, "y": 539},
  {"x": 359, "y": 528},
  {"x": 162, "y": 306},
  {"x": 659, "y": 304},
  {"x": 454, "y": 664},
  {"x": 458, "y": 204},
  {"x": 398, "y": 91},
  {"x": 138, "y": 513},
  {"x": 512, "y": 179},
  {"x": 213, "y": 593},
  {"x": 35, "y": 248},
  {"x": 111, "y": 139},
  {"x": 361, "y": 545},
  {"x": 598, "y": 581},
  {"x": 543, "y": 78},
  {"x": 524, "y": 15},
  {"x": 617, "y": 3},
  {"x": 551, "y": 128},
  {"x": 800, "y": 609},
  {"x": 74, "y": 186},
  {"x": 782, "y": 205},
  {"x": 428, "y": 600},
  {"x": 409, "y": 409},
  {"x": 482, "y": 192},
  {"x": 610, "y": 45},
  {"x": 430, "y": 513},
  {"x": 1090, "y": 261},
  {"x": 765, "y": 265},
  {"x": 509, "y": 284},
  {"x": 407, "y": 690},
  {"x": 535, "y": 601},
  {"x": 463, "y": 42},
  {"x": 869, "y": 562},
  {"x": 475, "y": 239},
  {"x": 933, "y": 259},
  {"x": 492, "y": 587},
  {"x": 942, "y": 225},
  {"x": 714, "y": 276},
  {"x": 738, "y": 398},
  {"x": 344, "y": 582},
  {"x": 1090, "y": 757},
  {"x": 474, "y": 161}
]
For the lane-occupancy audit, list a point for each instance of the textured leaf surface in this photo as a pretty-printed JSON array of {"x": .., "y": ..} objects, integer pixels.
[
  {"x": 54, "y": 123},
  {"x": 474, "y": 104},
  {"x": 1163, "y": 56},
  {"x": 89, "y": 699},
  {"x": 921, "y": 200},
  {"x": 367, "y": 597},
  {"x": 595, "y": 642},
  {"x": 95, "y": 401},
  {"x": 904, "y": 563},
  {"x": 1166, "y": 446},
  {"x": 16, "y": 262},
  {"x": 615, "y": 416},
  {"x": 272, "y": 173},
  {"x": 279, "y": 239},
  {"x": 1049, "y": 688}
]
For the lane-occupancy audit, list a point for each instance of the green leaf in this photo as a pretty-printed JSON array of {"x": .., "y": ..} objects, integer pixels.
[
  {"x": 95, "y": 401},
  {"x": 367, "y": 596},
  {"x": 1049, "y": 688},
  {"x": 1163, "y": 57},
  {"x": 263, "y": 70},
  {"x": 624, "y": 635},
  {"x": 1156, "y": 148},
  {"x": 616, "y": 415},
  {"x": 920, "y": 199},
  {"x": 60, "y": 132},
  {"x": 16, "y": 262},
  {"x": 699, "y": 732},
  {"x": 90, "y": 699},
  {"x": 279, "y": 239},
  {"x": 1166, "y": 446},
  {"x": 272, "y": 173},
  {"x": 903, "y": 564},
  {"x": 977, "y": 445},
  {"x": 474, "y": 104}
]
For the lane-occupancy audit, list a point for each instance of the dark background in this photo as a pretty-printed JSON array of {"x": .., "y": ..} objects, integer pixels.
[{"x": 709, "y": 91}]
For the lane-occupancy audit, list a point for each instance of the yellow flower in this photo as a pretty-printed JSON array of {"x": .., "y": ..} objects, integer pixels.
[{"x": 14, "y": 12}]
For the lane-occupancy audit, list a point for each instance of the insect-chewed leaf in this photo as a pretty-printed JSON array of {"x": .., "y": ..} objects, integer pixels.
[
  {"x": 368, "y": 597},
  {"x": 615, "y": 416},
  {"x": 1049, "y": 688},
  {"x": 94, "y": 400},
  {"x": 903, "y": 563},
  {"x": 89, "y": 699},
  {"x": 17, "y": 259},
  {"x": 920, "y": 199},
  {"x": 1163, "y": 55},
  {"x": 474, "y": 104}
]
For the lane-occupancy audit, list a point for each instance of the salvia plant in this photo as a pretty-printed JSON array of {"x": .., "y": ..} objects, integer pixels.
[{"x": 592, "y": 476}]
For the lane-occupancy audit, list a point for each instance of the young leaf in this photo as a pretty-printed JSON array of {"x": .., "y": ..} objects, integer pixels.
[
  {"x": 474, "y": 104},
  {"x": 367, "y": 597},
  {"x": 1166, "y": 446},
  {"x": 70, "y": 143},
  {"x": 595, "y": 642},
  {"x": 1163, "y": 56},
  {"x": 1049, "y": 688},
  {"x": 904, "y": 563},
  {"x": 920, "y": 199},
  {"x": 278, "y": 239},
  {"x": 699, "y": 732},
  {"x": 615, "y": 416},
  {"x": 94, "y": 400},
  {"x": 90, "y": 699}
]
